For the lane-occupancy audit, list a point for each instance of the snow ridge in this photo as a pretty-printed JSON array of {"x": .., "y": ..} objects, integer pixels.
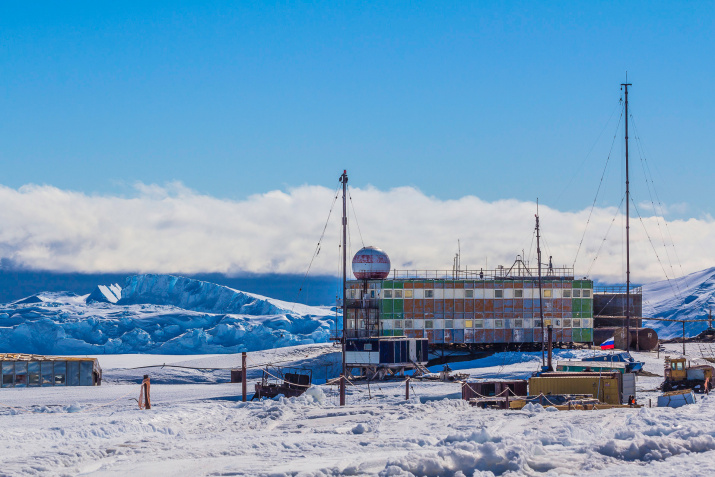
[{"x": 196, "y": 295}]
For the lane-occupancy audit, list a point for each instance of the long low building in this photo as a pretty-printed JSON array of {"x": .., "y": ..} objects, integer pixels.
[
  {"x": 29, "y": 370},
  {"x": 498, "y": 309}
]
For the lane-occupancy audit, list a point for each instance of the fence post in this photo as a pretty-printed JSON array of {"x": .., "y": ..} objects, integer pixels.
[
  {"x": 407, "y": 389},
  {"x": 243, "y": 376},
  {"x": 342, "y": 389},
  {"x": 145, "y": 384}
]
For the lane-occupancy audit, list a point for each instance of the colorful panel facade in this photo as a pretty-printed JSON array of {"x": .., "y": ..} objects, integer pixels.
[{"x": 481, "y": 311}]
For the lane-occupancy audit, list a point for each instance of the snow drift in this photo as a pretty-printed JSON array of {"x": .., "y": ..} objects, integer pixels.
[
  {"x": 689, "y": 297},
  {"x": 158, "y": 314}
]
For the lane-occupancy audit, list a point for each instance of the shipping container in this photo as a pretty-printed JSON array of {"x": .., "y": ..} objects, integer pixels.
[{"x": 606, "y": 387}]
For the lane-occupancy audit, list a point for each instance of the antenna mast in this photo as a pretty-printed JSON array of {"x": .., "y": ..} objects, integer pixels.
[
  {"x": 344, "y": 182},
  {"x": 628, "y": 230}
]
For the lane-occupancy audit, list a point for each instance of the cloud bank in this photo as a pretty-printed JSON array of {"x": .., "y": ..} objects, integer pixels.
[{"x": 172, "y": 229}]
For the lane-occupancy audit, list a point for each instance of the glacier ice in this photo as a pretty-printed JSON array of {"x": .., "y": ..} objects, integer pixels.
[
  {"x": 105, "y": 294},
  {"x": 158, "y": 314}
]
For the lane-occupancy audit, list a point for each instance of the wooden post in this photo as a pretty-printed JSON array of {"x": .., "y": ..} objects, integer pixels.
[
  {"x": 507, "y": 399},
  {"x": 145, "y": 384},
  {"x": 551, "y": 345},
  {"x": 342, "y": 389},
  {"x": 243, "y": 375},
  {"x": 407, "y": 389}
]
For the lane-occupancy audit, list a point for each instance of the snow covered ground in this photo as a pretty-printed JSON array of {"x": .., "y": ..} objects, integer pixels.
[{"x": 198, "y": 426}]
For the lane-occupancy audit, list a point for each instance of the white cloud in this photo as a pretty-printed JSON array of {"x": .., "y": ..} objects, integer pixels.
[{"x": 176, "y": 230}]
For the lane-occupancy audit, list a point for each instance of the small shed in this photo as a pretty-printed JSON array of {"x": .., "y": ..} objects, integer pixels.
[{"x": 30, "y": 370}]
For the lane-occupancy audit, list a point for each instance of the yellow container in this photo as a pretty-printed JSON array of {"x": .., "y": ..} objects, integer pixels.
[{"x": 605, "y": 388}]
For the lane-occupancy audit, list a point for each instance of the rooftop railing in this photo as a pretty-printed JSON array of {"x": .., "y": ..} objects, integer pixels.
[{"x": 501, "y": 273}]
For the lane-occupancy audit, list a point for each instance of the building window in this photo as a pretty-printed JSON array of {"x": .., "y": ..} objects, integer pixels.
[
  {"x": 518, "y": 323},
  {"x": 586, "y": 293},
  {"x": 547, "y": 293},
  {"x": 367, "y": 347},
  {"x": 498, "y": 323},
  {"x": 567, "y": 323},
  {"x": 408, "y": 293},
  {"x": 577, "y": 323},
  {"x": 387, "y": 293},
  {"x": 518, "y": 293},
  {"x": 398, "y": 324},
  {"x": 372, "y": 293},
  {"x": 408, "y": 324},
  {"x": 398, "y": 293},
  {"x": 577, "y": 293},
  {"x": 467, "y": 323},
  {"x": 567, "y": 293},
  {"x": 468, "y": 293},
  {"x": 586, "y": 323},
  {"x": 429, "y": 324},
  {"x": 537, "y": 323},
  {"x": 448, "y": 323},
  {"x": 498, "y": 293},
  {"x": 479, "y": 323},
  {"x": 429, "y": 293}
]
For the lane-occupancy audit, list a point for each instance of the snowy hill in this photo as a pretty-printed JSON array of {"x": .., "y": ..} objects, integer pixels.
[
  {"x": 158, "y": 314},
  {"x": 688, "y": 297}
]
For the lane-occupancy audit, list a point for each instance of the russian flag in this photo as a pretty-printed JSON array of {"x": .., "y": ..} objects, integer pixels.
[{"x": 609, "y": 343}]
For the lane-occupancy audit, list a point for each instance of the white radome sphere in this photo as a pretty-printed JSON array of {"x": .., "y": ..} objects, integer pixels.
[{"x": 371, "y": 263}]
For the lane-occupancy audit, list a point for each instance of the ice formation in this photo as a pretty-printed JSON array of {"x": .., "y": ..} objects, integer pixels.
[{"x": 158, "y": 314}]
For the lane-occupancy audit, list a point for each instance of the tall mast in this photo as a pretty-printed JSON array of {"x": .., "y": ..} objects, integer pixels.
[
  {"x": 344, "y": 181},
  {"x": 538, "y": 259},
  {"x": 628, "y": 230}
]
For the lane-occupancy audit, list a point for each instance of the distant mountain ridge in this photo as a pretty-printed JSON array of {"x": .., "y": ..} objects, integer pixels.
[{"x": 158, "y": 314}]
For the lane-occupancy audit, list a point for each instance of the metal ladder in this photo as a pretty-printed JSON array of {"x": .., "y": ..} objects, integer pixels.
[{"x": 420, "y": 370}]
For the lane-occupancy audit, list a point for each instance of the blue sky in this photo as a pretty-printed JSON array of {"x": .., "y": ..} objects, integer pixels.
[
  {"x": 495, "y": 99},
  {"x": 149, "y": 136}
]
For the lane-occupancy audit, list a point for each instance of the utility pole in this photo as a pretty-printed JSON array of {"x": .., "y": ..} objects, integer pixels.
[
  {"x": 538, "y": 259},
  {"x": 628, "y": 230},
  {"x": 344, "y": 182}
]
